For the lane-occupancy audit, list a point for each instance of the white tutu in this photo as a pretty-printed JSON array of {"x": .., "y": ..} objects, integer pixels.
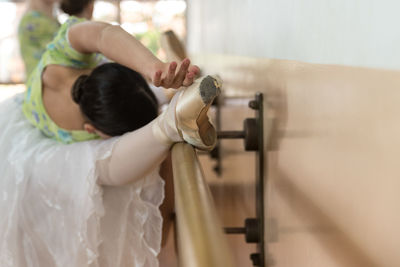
[{"x": 52, "y": 211}]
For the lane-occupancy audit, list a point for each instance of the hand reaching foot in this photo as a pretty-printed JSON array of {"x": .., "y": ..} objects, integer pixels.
[{"x": 171, "y": 76}]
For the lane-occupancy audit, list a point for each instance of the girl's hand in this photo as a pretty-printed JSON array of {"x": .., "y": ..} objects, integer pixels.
[{"x": 167, "y": 75}]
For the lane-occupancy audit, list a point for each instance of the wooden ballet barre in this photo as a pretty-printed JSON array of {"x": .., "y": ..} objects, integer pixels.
[{"x": 201, "y": 241}]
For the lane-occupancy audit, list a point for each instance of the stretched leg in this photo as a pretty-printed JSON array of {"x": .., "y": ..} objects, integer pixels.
[
  {"x": 134, "y": 155},
  {"x": 137, "y": 153}
]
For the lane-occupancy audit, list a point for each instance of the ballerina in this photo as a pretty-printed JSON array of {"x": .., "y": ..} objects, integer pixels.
[{"x": 81, "y": 187}]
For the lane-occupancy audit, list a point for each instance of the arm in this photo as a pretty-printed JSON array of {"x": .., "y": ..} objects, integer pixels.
[{"x": 119, "y": 46}]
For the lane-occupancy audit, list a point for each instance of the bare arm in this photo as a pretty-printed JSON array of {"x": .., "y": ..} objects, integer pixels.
[{"x": 119, "y": 46}]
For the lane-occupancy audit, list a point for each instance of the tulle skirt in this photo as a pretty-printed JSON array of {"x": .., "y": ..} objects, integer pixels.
[{"x": 53, "y": 212}]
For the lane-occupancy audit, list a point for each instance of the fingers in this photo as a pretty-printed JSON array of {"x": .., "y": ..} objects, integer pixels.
[
  {"x": 189, "y": 79},
  {"x": 157, "y": 78},
  {"x": 175, "y": 79},
  {"x": 194, "y": 69},
  {"x": 180, "y": 76},
  {"x": 169, "y": 79}
]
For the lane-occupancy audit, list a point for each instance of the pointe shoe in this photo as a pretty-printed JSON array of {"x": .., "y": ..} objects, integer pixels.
[
  {"x": 191, "y": 113},
  {"x": 186, "y": 116}
]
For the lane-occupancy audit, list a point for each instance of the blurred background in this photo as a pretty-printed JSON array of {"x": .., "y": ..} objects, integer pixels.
[{"x": 144, "y": 19}]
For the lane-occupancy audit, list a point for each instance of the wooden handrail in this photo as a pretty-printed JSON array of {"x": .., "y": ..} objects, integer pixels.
[{"x": 201, "y": 241}]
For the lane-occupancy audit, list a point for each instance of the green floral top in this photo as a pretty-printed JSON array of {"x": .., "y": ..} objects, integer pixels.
[
  {"x": 58, "y": 52},
  {"x": 35, "y": 31}
]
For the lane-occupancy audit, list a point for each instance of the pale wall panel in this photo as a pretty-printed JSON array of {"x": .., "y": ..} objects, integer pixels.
[
  {"x": 333, "y": 145},
  {"x": 356, "y": 32}
]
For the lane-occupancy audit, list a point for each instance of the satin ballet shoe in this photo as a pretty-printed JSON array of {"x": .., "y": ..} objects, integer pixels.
[
  {"x": 191, "y": 113},
  {"x": 186, "y": 118}
]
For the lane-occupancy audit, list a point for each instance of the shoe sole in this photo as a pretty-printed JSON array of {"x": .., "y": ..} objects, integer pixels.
[{"x": 209, "y": 90}]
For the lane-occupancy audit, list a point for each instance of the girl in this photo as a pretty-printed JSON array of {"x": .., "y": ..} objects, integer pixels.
[
  {"x": 63, "y": 205},
  {"x": 36, "y": 29}
]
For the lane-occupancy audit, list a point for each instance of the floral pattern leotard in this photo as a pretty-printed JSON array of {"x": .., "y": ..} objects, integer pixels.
[
  {"x": 35, "y": 31},
  {"x": 58, "y": 52}
]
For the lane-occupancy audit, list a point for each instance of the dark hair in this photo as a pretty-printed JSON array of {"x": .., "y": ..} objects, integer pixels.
[
  {"x": 74, "y": 7},
  {"x": 115, "y": 99}
]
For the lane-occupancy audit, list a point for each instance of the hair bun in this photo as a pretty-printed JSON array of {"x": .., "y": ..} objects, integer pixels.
[
  {"x": 74, "y": 7},
  {"x": 78, "y": 87}
]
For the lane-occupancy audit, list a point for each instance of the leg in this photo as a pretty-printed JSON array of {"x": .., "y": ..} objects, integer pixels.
[{"x": 185, "y": 119}]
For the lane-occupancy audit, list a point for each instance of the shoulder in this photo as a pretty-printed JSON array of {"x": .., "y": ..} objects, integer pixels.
[
  {"x": 30, "y": 15},
  {"x": 34, "y": 21},
  {"x": 34, "y": 16},
  {"x": 72, "y": 20},
  {"x": 63, "y": 29},
  {"x": 61, "y": 40},
  {"x": 27, "y": 21},
  {"x": 52, "y": 77},
  {"x": 60, "y": 78}
]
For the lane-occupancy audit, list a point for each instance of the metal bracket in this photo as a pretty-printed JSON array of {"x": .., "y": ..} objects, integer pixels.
[{"x": 253, "y": 135}]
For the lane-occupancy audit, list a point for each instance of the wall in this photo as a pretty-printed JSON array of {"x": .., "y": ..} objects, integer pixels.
[
  {"x": 333, "y": 130},
  {"x": 356, "y": 32},
  {"x": 332, "y": 143}
]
